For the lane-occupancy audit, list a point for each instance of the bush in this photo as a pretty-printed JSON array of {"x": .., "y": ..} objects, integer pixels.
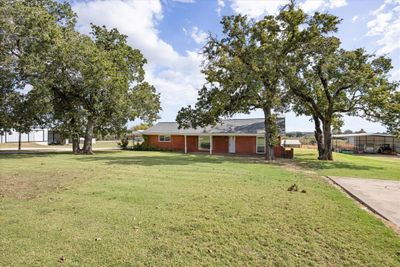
[
  {"x": 144, "y": 147},
  {"x": 124, "y": 143}
]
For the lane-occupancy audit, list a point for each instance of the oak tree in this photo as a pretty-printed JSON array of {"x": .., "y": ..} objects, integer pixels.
[
  {"x": 96, "y": 85},
  {"x": 329, "y": 81},
  {"x": 243, "y": 70}
]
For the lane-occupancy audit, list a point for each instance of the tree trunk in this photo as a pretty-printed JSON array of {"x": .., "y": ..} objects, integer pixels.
[
  {"x": 19, "y": 140},
  {"x": 318, "y": 136},
  {"x": 268, "y": 122},
  {"x": 75, "y": 144},
  {"x": 327, "y": 153},
  {"x": 87, "y": 144}
]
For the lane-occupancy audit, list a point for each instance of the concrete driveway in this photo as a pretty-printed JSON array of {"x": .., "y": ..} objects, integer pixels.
[{"x": 381, "y": 196}]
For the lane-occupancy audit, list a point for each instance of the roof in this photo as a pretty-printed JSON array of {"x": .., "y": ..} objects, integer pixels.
[
  {"x": 230, "y": 127},
  {"x": 291, "y": 142},
  {"x": 138, "y": 132},
  {"x": 361, "y": 134}
]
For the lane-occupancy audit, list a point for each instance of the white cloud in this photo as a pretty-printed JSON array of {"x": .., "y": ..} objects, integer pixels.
[
  {"x": 354, "y": 19},
  {"x": 257, "y": 8},
  {"x": 337, "y": 3},
  {"x": 386, "y": 26},
  {"x": 220, "y": 6},
  {"x": 310, "y": 6},
  {"x": 177, "y": 76},
  {"x": 198, "y": 35}
]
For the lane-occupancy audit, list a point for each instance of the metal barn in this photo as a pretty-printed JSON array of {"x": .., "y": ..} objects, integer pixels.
[
  {"x": 366, "y": 143},
  {"x": 39, "y": 136}
]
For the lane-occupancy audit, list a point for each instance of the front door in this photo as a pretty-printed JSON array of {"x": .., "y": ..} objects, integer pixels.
[{"x": 232, "y": 145}]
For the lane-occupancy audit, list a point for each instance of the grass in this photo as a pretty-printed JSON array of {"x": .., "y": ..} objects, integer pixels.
[
  {"x": 155, "y": 209},
  {"x": 365, "y": 166},
  {"x": 23, "y": 145}
]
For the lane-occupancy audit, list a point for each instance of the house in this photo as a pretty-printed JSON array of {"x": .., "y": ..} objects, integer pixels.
[
  {"x": 293, "y": 143},
  {"x": 234, "y": 136},
  {"x": 366, "y": 143}
]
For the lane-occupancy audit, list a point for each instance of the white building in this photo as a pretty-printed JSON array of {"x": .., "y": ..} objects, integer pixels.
[{"x": 38, "y": 136}]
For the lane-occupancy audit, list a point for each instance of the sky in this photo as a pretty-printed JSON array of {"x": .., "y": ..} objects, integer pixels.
[{"x": 171, "y": 33}]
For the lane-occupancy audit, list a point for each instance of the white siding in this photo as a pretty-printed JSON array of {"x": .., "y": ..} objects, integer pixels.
[{"x": 36, "y": 135}]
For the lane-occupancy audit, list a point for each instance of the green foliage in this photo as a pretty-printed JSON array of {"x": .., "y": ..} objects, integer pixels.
[
  {"x": 124, "y": 142},
  {"x": 110, "y": 87},
  {"x": 27, "y": 112},
  {"x": 295, "y": 134},
  {"x": 144, "y": 147},
  {"x": 141, "y": 126},
  {"x": 29, "y": 30},
  {"x": 386, "y": 110},
  {"x": 328, "y": 82},
  {"x": 244, "y": 70},
  {"x": 88, "y": 84}
]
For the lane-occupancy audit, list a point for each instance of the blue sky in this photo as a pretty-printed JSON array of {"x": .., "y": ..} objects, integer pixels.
[{"x": 170, "y": 33}]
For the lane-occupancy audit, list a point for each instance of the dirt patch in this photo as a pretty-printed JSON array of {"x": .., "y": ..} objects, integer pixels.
[
  {"x": 32, "y": 184},
  {"x": 293, "y": 167}
]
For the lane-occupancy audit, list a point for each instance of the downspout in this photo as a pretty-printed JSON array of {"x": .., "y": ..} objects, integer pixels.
[
  {"x": 185, "y": 144},
  {"x": 211, "y": 144}
]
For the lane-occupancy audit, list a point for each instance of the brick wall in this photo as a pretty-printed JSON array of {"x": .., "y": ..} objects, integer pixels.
[
  {"x": 177, "y": 143},
  {"x": 220, "y": 144},
  {"x": 281, "y": 152},
  {"x": 245, "y": 145}
]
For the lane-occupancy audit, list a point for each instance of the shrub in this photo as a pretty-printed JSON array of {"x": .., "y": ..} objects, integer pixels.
[
  {"x": 144, "y": 147},
  {"x": 124, "y": 142}
]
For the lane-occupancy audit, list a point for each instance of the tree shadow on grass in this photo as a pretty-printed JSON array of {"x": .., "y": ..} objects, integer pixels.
[
  {"x": 154, "y": 160},
  {"x": 326, "y": 165},
  {"x": 144, "y": 158}
]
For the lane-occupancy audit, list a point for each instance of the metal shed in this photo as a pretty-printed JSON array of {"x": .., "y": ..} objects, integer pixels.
[
  {"x": 295, "y": 143},
  {"x": 366, "y": 143}
]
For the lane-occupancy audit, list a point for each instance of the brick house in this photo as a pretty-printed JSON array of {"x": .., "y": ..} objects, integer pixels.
[{"x": 233, "y": 136}]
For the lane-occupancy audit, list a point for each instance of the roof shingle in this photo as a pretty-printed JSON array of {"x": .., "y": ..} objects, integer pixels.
[{"x": 230, "y": 126}]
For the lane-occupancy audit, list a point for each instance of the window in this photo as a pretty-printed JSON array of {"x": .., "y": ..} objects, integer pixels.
[
  {"x": 164, "y": 138},
  {"x": 204, "y": 143},
  {"x": 260, "y": 145}
]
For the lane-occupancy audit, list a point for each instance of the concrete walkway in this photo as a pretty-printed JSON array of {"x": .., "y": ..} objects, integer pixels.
[{"x": 381, "y": 196}]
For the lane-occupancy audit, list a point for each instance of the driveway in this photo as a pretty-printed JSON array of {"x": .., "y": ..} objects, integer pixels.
[{"x": 381, "y": 196}]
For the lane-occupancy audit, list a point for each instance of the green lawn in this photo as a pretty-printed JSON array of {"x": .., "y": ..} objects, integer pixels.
[
  {"x": 366, "y": 166},
  {"x": 166, "y": 209},
  {"x": 23, "y": 145}
]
